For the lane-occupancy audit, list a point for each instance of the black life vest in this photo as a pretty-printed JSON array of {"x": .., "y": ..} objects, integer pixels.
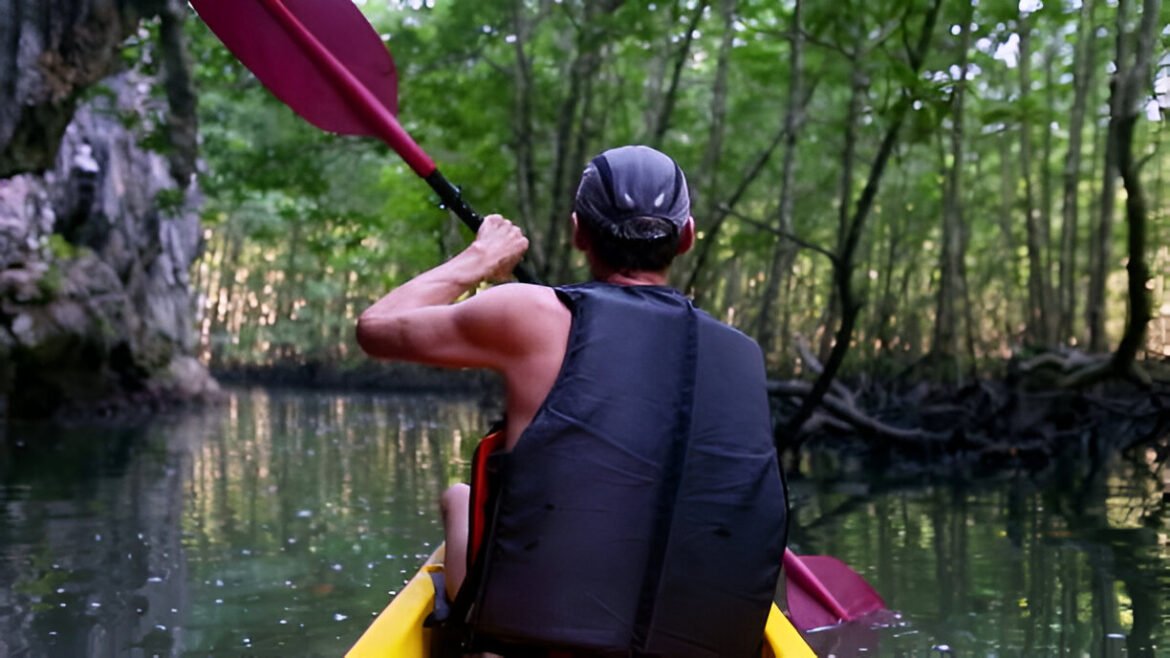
[{"x": 642, "y": 512}]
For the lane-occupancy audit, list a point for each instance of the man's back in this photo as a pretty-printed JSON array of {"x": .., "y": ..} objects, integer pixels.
[{"x": 645, "y": 475}]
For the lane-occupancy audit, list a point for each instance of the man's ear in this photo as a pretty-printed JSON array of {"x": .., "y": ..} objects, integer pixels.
[
  {"x": 580, "y": 238},
  {"x": 686, "y": 236}
]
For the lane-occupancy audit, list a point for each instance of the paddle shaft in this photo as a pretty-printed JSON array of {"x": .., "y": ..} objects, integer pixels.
[
  {"x": 452, "y": 200},
  {"x": 385, "y": 126},
  {"x": 802, "y": 577}
]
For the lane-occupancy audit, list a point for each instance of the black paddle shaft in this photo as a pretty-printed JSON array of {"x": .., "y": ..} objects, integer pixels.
[{"x": 452, "y": 199}]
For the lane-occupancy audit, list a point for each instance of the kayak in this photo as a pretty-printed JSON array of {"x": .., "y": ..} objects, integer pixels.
[{"x": 398, "y": 631}]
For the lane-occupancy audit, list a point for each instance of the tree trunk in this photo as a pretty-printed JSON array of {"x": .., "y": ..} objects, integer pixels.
[
  {"x": 588, "y": 125},
  {"x": 1048, "y": 114},
  {"x": 562, "y": 136},
  {"x": 708, "y": 174},
  {"x": 522, "y": 131},
  {"x": 1083, "y": 70},
  {"x": 783, "y": 251},
  {"x": 656, "y": 67},
  {"x": 1101, "y": 245},
  {"x": 1007, "y": 204},
  {"x": 224, "y": 321},
  {"x": 1134, "y": 84},
  {"x": 945, "y": 343},
  {"x": 699, "y": 271},
  {"x": 289, "y": 286},
  {"x": 1038, "y": 312},
  {"x": 179, "y": 84},
  {"x": 884, "y": 328},
  {"x": 857, "y": 86}
]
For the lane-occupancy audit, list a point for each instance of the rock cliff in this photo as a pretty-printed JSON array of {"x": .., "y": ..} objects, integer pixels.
[{"x": 97, "y": 236}]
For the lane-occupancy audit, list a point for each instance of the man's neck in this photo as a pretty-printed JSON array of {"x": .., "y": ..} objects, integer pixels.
[{"x": 633, "y": 278}]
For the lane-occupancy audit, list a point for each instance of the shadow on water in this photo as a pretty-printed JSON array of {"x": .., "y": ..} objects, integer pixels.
[{"x": 280, "y": 523}]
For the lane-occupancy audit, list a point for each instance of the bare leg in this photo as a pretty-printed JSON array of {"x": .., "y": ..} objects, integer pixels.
[{"x": 455, "y": 505}]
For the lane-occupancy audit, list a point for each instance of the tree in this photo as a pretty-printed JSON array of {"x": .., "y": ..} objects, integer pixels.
[
  {"x": 843, "y": 267},
  {"x": 1133, "y": 82}
]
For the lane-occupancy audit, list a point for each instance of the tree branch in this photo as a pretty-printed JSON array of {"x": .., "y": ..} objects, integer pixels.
[
  {"x": 764, "y": 226},
  {"x": 662, "y": 121}
]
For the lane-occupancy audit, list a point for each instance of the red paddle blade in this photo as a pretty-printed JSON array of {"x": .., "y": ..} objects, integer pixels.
[
  {"x": 823, "y": 591},
  {"x": 255, "y": 31},
  {"x": 250, "y": 29},
  {"x": 324, "y": 60}
]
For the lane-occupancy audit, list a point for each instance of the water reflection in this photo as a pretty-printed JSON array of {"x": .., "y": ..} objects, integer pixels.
[
  {"x": 91, "y": 557},
  {"x": 1073, "y": 563},
  {"x": 306, "y": 513},
  {"x": 280, "y": 523}
]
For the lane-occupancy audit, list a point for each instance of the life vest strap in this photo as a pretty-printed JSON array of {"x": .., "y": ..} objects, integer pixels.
[{"x": 481, "y": 487}]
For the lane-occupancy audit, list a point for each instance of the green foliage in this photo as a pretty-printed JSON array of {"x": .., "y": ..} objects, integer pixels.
[
  {"x": 60, "y": 248},
  {"x": 169, "y": 201},
  {"x": 305, "y": 229}
]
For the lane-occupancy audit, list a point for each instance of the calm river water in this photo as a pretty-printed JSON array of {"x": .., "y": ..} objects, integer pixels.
[{"x": 280, "y": 523}]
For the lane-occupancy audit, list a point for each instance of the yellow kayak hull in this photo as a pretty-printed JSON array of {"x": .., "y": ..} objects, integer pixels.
[{"x": 398, "y": 631}]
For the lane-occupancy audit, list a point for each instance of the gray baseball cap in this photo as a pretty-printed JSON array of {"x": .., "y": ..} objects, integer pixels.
[{"x": 633, "y": 181}]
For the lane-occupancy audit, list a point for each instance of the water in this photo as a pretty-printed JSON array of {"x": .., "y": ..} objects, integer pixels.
[
  {"x": 281, "y": 523},
  {"x": 1076, "y": 564}
]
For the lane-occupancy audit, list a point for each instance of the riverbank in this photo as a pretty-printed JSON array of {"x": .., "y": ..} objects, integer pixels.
[{"x": 995, "y": 424}]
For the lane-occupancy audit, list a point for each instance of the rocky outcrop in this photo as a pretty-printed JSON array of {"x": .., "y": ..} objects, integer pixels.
[
  {"x": 95, "y": 304},
  {"x": 51, "y": 50}
]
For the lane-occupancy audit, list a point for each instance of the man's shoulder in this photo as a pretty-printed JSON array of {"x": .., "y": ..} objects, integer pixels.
[
  {"x": 517, "y": 306},
  {"x": 521, "y": 295}
]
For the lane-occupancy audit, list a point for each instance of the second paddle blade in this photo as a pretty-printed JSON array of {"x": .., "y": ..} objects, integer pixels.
[{"x": 851, "y": 591}]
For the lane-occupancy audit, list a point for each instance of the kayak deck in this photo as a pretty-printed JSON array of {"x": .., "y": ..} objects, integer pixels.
[{"x": 398, "y": 631}]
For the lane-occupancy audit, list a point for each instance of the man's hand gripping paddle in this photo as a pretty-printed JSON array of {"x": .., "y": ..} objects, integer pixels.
[{"x": 324, "y": 60}]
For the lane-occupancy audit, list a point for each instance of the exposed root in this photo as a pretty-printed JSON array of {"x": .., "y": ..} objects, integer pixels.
[
  {"x": 841, "y": 412},
  {"x": 1046, "y": 404},
  {"x": 1079, "y": 370}
]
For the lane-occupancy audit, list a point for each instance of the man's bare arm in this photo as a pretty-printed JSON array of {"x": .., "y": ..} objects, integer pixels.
[{"x": 419, "y": 322}]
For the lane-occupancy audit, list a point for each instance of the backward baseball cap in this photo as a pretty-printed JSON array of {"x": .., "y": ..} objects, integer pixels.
[{"x": 629, "y": 182}]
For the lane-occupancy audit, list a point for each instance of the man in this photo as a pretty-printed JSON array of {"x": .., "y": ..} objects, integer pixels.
[{"x": 635, "y": 507}]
